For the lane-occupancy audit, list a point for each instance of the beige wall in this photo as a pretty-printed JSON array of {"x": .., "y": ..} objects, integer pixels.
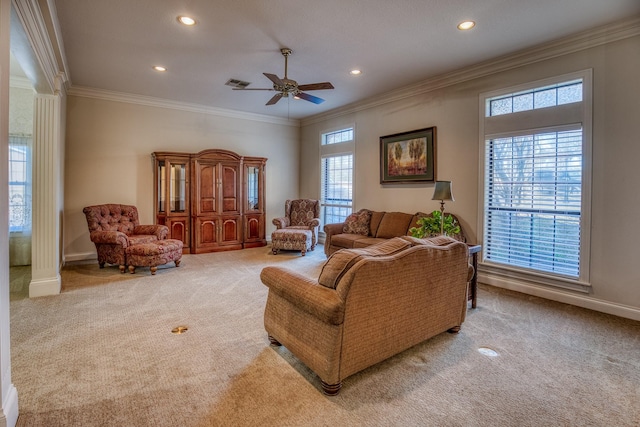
[
  {"x": 454, "y": 111},
  {"x": 108, "y": 157},
  {"x": 20, "y": 111}
]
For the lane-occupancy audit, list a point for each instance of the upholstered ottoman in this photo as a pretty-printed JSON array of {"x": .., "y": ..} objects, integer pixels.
[
  {"x": 154, "y": 254},
  {"x": 289, "y": 239}
]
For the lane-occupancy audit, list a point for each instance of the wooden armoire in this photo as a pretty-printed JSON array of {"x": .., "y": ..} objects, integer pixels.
[{"x": 212, "y": 200}]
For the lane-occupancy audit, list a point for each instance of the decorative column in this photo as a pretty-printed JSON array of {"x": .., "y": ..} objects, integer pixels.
[{"x": 47, "y": 196}]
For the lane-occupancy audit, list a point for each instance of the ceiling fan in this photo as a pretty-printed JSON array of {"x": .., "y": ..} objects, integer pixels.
[{"x": 286, "y": 86}]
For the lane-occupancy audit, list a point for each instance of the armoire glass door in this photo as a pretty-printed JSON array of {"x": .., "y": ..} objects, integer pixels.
[{"x": 178, "y": 188}]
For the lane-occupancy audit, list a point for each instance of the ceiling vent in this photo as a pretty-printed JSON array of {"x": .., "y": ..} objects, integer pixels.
[{"x": 237, "y": 83}]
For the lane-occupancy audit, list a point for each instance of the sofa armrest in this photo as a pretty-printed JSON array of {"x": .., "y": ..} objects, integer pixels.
[
  {"x": 330, "y": 230},
  {"x": 109, "y": 238},
  {"x": 315, "y": 222},
  {"x": 307, "y": 294},
  {"x": 281, "y": 222},
  {"x": 160, "y": 231}
]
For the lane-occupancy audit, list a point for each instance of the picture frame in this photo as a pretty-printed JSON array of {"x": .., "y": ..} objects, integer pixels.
[{"x": 408, "y": 156}]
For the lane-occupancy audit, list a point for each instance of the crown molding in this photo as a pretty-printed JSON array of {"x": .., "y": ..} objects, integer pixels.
[
  {"x": 64, "y": 76},
  {"x": 34, "y": 29},
  {"x": 107, "y": 95},
  {"x": 584, "y": 40},
  {"x": 20, "y": 82}
]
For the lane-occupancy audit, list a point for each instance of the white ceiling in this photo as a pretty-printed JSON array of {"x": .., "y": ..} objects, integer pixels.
[{"x": 112, "y": 45}]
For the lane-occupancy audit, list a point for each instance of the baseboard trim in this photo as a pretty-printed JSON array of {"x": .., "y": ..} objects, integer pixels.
[
  {"x": 45, "y": 287},
  {"x": 9, "y": 414},
  {"x": 579, "y": 300},
  {"x": 86, "y": 256}
]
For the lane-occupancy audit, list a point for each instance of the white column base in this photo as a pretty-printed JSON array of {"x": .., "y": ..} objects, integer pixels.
[
  {"x": 44, "y": 287},
  {"x": 9, "y": 413}
]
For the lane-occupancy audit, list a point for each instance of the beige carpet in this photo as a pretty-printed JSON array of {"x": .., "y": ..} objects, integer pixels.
[{"x": 102, "y": 354}]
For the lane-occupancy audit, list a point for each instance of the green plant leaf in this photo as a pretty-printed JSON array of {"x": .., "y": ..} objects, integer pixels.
[{"x": 430, "y": 226}]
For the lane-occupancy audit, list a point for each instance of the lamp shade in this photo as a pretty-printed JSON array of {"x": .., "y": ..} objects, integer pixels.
[{"x": 443, "y": 191}]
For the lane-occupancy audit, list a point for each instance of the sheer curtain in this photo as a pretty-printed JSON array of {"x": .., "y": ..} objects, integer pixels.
[{"x": 20, "y": 199}]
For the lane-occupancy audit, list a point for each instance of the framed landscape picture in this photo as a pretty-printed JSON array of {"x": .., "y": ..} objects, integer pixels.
[{"x": 408, "y": 156}]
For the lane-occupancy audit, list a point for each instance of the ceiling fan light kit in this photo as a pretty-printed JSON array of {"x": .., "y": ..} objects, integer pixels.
[{"x": 287, "y": 86}]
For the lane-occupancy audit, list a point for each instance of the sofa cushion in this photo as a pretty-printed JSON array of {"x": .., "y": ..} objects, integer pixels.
[
  {"x": 141, "y": 239},
  {"x": 376, "y": 217},
  {"x": 345, "y": 240},
  {"x": 341, "y": 261},
  {"x": 394, "y": 224},
  {"x": 358, "y": 223}
]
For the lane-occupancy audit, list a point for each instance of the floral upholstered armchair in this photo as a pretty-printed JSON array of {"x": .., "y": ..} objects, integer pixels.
[
  {"x": 113, "y": 228},
  {"x": 301, "y": 214}
]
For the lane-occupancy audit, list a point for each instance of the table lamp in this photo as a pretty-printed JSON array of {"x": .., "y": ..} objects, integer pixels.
[{"x": 442, "y": 192}]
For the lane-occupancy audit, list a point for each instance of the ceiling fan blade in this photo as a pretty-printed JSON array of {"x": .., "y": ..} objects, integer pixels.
[
  {"x": 310, "y": 98},
  {"x": 275, "y": 99},
  {"x": 253, "y": 88},
  {"x": 316, "y": 86},
  {"x": 275, "y": 79}
]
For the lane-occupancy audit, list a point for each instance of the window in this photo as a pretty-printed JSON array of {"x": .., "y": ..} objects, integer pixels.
[
  {"x": 542, "y": 97},
  {"x": 535, "y": 184},
  {"x": 532, "y": 201},
  {"x": 336, "y": 193},
  {"x": 337, "y": 137},
  {"x": 19, "y": 184}
]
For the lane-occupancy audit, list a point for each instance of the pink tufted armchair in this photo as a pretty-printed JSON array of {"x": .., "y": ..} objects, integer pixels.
[
  {"x": 302, "y": 214},
  {"x": 113, "y": 227}
]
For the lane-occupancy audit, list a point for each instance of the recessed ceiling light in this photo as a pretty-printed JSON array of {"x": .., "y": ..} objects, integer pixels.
[
  {"x": 159, "y": 68},
  {"x": 355, "y": 72},
  {"x": 466, "y": 25},
  {"x": 186, "y": 20}
]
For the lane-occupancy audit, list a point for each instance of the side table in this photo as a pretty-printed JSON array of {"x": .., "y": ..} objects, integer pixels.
[{"x": 474, "y": 250}]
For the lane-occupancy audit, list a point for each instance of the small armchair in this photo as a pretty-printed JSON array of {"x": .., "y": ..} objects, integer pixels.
[
  {"x": 114, "y": 227},
  {"x": 301, "y": 214}
]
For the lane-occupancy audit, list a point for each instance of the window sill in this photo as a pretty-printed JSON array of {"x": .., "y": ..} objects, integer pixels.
[{"x": 501, "y": 275}]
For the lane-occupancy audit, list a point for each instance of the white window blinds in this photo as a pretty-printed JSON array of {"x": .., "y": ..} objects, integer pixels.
[
  {"x": 533, "y": 201},
  {"x": 337, "y": 188}
]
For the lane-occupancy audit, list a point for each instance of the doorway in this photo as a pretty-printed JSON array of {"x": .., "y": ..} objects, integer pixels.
[{"x": 21, "y": 97}]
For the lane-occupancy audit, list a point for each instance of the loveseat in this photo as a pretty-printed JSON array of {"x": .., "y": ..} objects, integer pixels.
[
  {"x": 368, "y": 304},
  {"x": 365, "y": 228},
  {"x": 115, "y": 227}
]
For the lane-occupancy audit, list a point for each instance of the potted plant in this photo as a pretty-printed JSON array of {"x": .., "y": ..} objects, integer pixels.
[{"x": 429, "y": 226}]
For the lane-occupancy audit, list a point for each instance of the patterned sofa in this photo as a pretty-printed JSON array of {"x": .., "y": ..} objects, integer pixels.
[
  {"x": 114, "y": 227},
  {"x": 368, "y": 304},
  {"x": 365, "y": 228}
]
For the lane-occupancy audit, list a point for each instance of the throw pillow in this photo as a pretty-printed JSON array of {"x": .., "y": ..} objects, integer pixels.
[
  {"x": 341, "y": 261},
  {"x": 358, "y": 223}
]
